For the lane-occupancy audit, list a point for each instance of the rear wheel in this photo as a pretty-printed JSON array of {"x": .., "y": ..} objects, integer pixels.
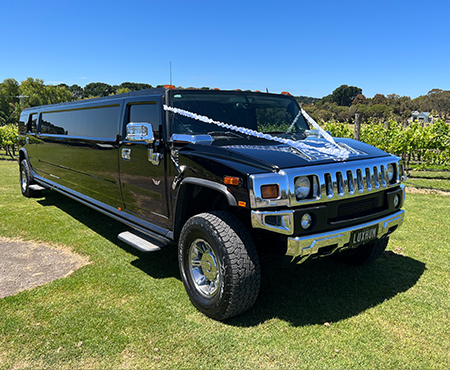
[
  {"x": 26, "y": 179},
  {"x": 364, "y": 254},
  {"x": 219, "y": 265}
]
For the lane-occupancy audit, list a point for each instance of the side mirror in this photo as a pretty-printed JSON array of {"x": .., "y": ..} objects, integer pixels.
[{"x": 142, "y": 131}]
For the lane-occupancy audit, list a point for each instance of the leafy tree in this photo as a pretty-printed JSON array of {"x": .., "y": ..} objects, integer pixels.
[
  {"x": 9, "y": 100},
  {"x": 359, "y": 99},
  {"x": 401, "y": 106},
  {"x": 36, "y": 93},
  {"x": 96, "y": 89},
  {"x": 379, "y": 99},
  {"x": 440, "y": 101},
  {"x": 344, "y": 95},
  {"x": 133, "y": 86},
  {"x": 379, "y": 111},
  {"x": 338, "y": 129},
  {"x": 122, "y": 90},
  {"x": 306, "y": 100},
  {"x": 77, "y": 91},
  {"x": 9, "y": 139}
]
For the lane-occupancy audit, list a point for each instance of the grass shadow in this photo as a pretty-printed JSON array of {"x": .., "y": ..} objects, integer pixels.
[
  {"x": 158, "y": 265},
  {"x": 327, "y": 291},
  {"x": 313, "y": 293}
]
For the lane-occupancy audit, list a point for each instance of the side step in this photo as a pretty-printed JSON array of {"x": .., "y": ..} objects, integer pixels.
[
  {"x": 142, "y": 242},
  {"x": 36, "y": 187}
]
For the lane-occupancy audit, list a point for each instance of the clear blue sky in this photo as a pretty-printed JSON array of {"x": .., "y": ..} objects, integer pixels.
[{"x": 304, "y": 47}]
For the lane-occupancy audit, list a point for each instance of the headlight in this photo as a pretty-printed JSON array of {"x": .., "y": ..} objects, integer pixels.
[
  {"x": 391, "y": 172},
  {"x": 302, "y": 187}
]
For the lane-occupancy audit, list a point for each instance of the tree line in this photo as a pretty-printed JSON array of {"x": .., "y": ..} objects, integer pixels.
[
  {"x": 344, "y": 105},
  {"x": 15, "y": 96},
  {"x": 347, "y": 102}
]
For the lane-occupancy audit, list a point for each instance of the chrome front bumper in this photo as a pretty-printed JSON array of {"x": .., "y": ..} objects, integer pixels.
[{"x": 301, "y": 248}]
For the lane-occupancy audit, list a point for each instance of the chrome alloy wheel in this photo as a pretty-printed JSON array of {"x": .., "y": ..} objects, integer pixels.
[
  {"x": 23, "y": 178},
  {"x": 204, "y": 268}
]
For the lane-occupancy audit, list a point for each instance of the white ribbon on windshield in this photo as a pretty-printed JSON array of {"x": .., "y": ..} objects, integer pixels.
[{"x": 330, "y": 150}]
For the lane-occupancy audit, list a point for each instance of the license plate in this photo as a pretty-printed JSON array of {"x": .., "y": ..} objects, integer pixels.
[{"x": 361, "y": 236}]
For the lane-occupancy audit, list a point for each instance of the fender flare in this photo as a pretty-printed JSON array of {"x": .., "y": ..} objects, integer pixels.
[
  {"x": 212, "y": 185},
  {"x": 23, "y": 153},
  {"x": 179, "y": 209}
]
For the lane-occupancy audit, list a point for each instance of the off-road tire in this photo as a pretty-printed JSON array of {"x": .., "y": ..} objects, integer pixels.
[
  {"x": 365, "y": 253},
  {"x": 26, "y": 179},
  {"x": 231, "y": 250}
]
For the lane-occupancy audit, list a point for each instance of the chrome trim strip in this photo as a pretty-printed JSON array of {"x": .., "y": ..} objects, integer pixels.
[
  {"x": 279, "y": 178},
  {"x": 73, "y": 137},
  {"x": 193, "y": 139},
  {"x": 284, "y": 221},
  {"x": 301, "y": 248}
]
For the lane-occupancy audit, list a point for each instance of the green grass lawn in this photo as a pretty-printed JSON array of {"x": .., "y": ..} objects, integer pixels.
[
  {"x": 435, "y": 179},
  {"x": 129, "y": 310}
]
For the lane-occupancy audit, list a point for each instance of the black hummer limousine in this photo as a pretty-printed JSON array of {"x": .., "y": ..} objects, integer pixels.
[{"x": 224, "y": 174}]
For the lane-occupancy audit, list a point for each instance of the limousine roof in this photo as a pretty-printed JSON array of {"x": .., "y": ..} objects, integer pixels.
[
  {"x": 150, "y": 92},
  {"x": 158, "y": 91}
]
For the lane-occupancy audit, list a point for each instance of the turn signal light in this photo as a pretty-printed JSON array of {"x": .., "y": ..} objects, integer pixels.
[
  {"x": 230, "y": 180},
  {"x": 270, "y": 191}
]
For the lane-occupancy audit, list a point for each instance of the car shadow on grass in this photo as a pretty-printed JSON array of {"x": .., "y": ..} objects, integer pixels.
[
  {"x": 159, "y": 265},
  {"x": 316, "y": 292},
  {"x": 326, "y": 291}
]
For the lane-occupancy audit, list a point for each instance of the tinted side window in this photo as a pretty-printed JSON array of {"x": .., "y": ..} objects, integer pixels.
[
  {"x": 147, "y": 112},
  {"x": 32, "y": 123},
  {"x": 100, "y": 122}
]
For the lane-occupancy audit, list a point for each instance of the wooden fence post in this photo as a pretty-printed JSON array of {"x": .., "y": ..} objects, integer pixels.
[{"x": 358, "y": 117}]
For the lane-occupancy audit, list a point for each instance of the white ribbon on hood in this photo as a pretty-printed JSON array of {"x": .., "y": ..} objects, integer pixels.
[{"x": 329, "y": 150}]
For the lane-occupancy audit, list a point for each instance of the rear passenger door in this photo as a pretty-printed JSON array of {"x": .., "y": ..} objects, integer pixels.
[{"x": 142, "y": 167}]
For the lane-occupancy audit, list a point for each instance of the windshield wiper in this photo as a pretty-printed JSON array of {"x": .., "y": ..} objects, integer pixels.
[{"x": 225, "y": 133}]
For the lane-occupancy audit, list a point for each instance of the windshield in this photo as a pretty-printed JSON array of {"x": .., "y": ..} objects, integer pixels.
[{"x": 265, "y": 113}]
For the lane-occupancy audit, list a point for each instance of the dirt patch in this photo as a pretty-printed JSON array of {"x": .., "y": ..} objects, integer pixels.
[
  {"x": 25, "y": 265},
  {"x": 412, "y": 190}
]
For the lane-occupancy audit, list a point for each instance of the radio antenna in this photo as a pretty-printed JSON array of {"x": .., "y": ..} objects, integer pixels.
[{"x": 170, "y": 67}]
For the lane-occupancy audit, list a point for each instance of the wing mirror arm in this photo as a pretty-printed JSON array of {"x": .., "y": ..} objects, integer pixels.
[
  {"x": 140, "y": 131},
  {"x": 143, "y": 131}
]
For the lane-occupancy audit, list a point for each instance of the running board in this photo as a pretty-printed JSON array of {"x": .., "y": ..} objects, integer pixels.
[
  {"x": 142, "y": 242},
  {"x": 36, "y": 187}
]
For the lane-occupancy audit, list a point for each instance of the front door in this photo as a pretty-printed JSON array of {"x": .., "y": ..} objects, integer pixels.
[{"x": 142, "y": 173}]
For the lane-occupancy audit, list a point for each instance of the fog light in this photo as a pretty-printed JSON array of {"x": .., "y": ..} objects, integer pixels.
[
  {"x": 396, "y": 201},
  {"x": 306, "y": 221}
]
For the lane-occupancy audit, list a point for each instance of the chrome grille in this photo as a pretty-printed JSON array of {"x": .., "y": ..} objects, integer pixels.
[
  {"x": 355, "y": 208},
  {"x": 330, "y": 182},
  {"x": 358, "y": 180}
]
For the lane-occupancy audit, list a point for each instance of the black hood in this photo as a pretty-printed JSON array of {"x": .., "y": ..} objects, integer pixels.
[{"x": 271, "y": 156}]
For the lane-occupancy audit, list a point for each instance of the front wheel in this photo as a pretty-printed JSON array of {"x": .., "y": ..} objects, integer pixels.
[{"x": 219, "y": 265}]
